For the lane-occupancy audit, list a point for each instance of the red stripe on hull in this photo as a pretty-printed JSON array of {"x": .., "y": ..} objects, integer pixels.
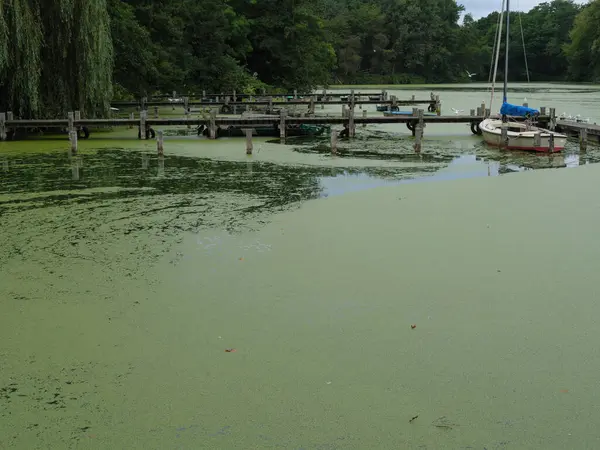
[{"x": 532, "y": 149}]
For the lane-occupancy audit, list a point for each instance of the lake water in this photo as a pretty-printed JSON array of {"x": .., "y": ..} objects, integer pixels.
[{"x": 125, "y": 279}]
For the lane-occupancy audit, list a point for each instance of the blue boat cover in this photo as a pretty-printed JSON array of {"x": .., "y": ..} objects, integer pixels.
[{"x": 516, "y": 110}]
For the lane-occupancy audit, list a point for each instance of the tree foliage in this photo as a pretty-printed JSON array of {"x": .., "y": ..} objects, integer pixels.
[
  {"x": 61, "y": 55},
  {"x": 55, "y": 56}
]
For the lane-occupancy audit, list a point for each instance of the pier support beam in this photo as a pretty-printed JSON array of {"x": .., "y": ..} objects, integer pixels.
[
  {"x": 160, "y": 150},
  {"x": 142, "y": 134},
  {"x": 212, "y": 127},
  {"x": 418, "y": 138},
  {"x": 71, "y": 117},
  {"x": 249, "y": 146},
  {"x": 552, "y": 122},
  {"x": 537, "y": 139},
  {"x": 282, "y": 125},
  {"x": 504, "y": 134},
  {"x": 73, "y": 141},
  {"x": 583, "y": 139},
  {"x": 351, "y": 127},
  {"x": 2, "y": 126}
]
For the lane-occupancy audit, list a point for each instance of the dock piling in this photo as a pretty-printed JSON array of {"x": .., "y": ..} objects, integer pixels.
[
  {"x": 270, "y": 111},
  {"x": 473, "y": 112},
  {"x": 323, "y": 99},
  {"x": 160, "y": 150},
  {"x": 421, "y": 121},
  {"x": 351, "y": 128},
  {"x": 551, "y": 143},
  {"x": 73, "y": 140},
  {"x": 234, "y": 101},
  {"x": 543, "y": 110},
  {"x": 364, "y": 117},
  {"x": 583, "y": 139},
  {"x": 295, "y": 94},
  {"x": 438, "y": 105},
  {"x": 77, "y": 116},
  {"x": 249, "y": 147},
  {"x": 131, "y": 117},
  {"x": 142, "y": 134},
  {"x": 488, "y": 112},
  {"x": 504, "y": 134},
  {"x": 156, "y": 112},
  {"x": 2, "y": 126},
  {"x": 415, "y": 112},
  {"x": 71, "y": 117},
  {"x": 418, "y": 138},
  {"x": 552, "y": 122},
  {"x": 311, "y": 106},
  {"x": 212, "y": 128},
  {"x": 282, "y": 125},
  {"x": 394, "y": 103}
]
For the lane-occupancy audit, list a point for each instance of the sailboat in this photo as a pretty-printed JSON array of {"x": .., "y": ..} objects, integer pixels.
[{"x": 518, "y": 135}]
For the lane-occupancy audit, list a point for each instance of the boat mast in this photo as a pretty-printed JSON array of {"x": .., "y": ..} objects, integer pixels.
[{"x": 506, "y": 45}]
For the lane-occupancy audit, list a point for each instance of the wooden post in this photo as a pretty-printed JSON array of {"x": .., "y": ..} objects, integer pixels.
[
  {"x": 142, "y": 124},
  {"x": 333, "y": 142},
  {"x": 270, "y": 105},
  {"x": 415, "y": 112},
  {"x": 234, "y": 101},
  {"x": 438, "y": 105},
  {"x": 473, "y": 112},
  {"x": 248, "y": 141},
  {"x": 159, "y": 143},
  {"x": 311, "y": 106},
  {"x": 203, "y": 95},
  {"x": 479, "y": 111},
  {"x": 482, "y": 109},
  {"x": 73, "y": 139},
  {"x": 174, "y": 95},
  {"x": 421, "y": 123},
  {"x": 418, "y": 137},
  {"x": 295, "y": 94},
  {"x": 542, "y": 110},
  {"x": 212, "y": 127},
  {"x": 186, "y": 102},
  {"x": 131, "y": 117},
  {"x": 537, "y": 139},
  {"x": 551, "y": 143},
  {"x": 344, "y": 111},
  {"x": 488, "y": 112},
  {"x": 282, "y": 125},
  {"x": 71, "y": 117},
  {"x": 583, "y": 139},
  {"x": 413, "y": 97},
  {"x": 2, "y": 126},
  {"x": 394, "y": 103},
  {"x": 144, "y": 104},
  {"x": 364, "y": 117},
  {"x": 351, "y": 128},
  {"x": 504, "y": 134},
  {"x": 9, "y": 116},
  {"x": 77, "y": 116},
  {"x": 156, "y": 112},
  {"x": 552, "y": 122}
]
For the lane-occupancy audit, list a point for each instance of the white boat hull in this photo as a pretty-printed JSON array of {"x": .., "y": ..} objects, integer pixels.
[{"x": 521, "y": 136}]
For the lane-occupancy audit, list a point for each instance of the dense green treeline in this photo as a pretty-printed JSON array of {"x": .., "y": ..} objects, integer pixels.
[{"x": 81, "y": 53}]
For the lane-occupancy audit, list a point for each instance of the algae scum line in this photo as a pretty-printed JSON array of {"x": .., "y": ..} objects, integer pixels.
[{"x": 210, "y": 299}]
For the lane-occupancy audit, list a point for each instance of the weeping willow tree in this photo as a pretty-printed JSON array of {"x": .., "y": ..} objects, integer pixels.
[{"x": 55, "y": 56}]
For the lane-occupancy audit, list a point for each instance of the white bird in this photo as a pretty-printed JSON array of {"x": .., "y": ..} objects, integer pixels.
[
  {"x": 469, "y": 74},
  {"x": 456, "y": 111}
]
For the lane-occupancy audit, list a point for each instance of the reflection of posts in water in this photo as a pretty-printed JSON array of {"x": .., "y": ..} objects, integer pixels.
[
  {"x": 76, "y": 164},
  {"x": 333, "y": 143},
  {"x": 161, "y": 166},
  {"x": 5, "y": 165},
  {"x": 159, "y": 143},
  {"x": 249, "y": 169},
  {"x": 145, "y": 160}
]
